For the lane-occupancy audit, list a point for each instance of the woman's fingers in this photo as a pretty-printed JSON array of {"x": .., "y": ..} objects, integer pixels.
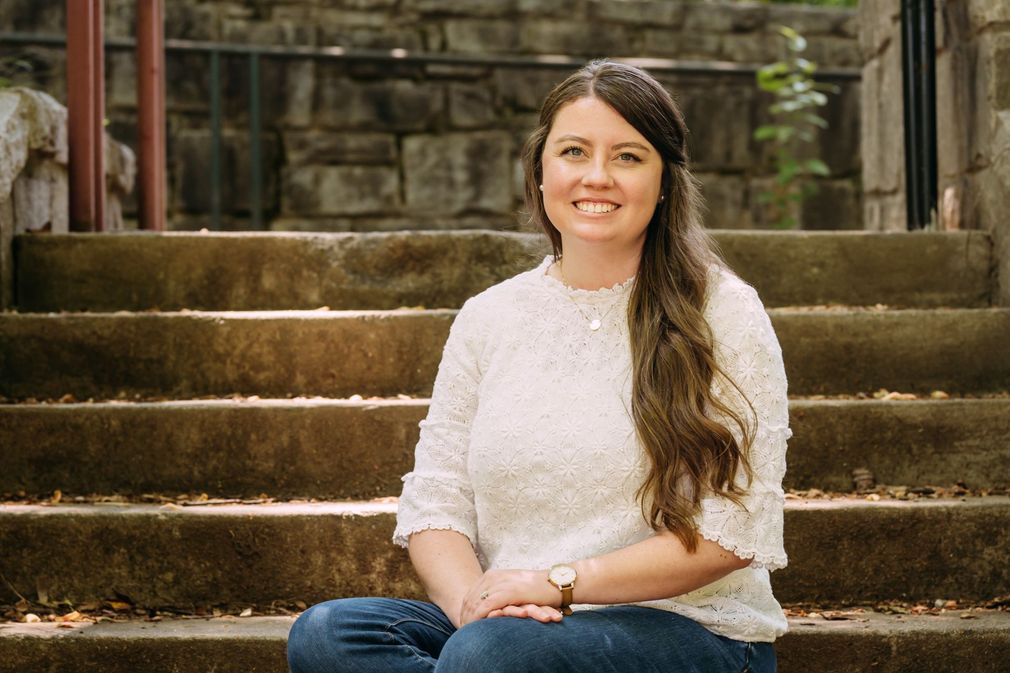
[{"x": 541, "y": 613}]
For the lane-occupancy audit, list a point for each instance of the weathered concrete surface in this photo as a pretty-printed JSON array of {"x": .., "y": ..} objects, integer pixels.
[
  {"x": 339, "y": 354},
  {"x": 879, "y": 643},
  {"x": 345, "y": 449},
  {"x": 935, "y": 442},
  {"x": 956, "y": 350},
  {"x": 222, "y": 271},
  {"x": 304, "y": 448},
  {"x": 839, "y": 552},
  {"x": 189, "y": 354}
]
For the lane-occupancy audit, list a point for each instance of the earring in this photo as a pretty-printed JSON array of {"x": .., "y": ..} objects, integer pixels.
[
  {"x": 541, "y": 188},
  {"x": 661, "y": 197}
]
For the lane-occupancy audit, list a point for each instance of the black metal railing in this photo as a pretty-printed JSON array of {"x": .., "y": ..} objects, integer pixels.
[
  {"x": 215, "y": 51},
  {"x": 918, "y": 59}
]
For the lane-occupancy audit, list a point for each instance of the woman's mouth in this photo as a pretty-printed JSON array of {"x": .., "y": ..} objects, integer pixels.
[{"x": 595, "y": 206}]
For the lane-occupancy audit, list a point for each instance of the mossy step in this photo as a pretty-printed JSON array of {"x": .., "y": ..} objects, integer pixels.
[
  {"x": 257, "y": 271},
  {"x": 342, "y": 353},
  {"x": 840, "y": 551},
  {"x": 329, "y": 448},
  {"x": 874, "y": 642}
]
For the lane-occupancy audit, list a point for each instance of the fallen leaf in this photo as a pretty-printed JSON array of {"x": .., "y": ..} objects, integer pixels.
[
  {"x": 32, "y": 618},
  {"x": 246, "y": 613}
]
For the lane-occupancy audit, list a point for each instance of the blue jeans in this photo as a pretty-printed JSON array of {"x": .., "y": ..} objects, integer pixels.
[{"x": 391, "y": 635}]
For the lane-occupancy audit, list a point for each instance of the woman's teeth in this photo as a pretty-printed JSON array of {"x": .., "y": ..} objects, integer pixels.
[{"x": 593, "y": 207}]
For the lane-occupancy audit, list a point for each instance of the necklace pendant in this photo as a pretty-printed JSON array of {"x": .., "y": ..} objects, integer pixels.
[{"x": 595, "y": 325}]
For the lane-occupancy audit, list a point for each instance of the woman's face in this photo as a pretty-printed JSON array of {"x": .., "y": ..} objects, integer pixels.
[{"x": 601, "y": 177}]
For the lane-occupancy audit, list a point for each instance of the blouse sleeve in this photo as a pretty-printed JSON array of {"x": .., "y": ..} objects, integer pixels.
[
  {"x": 437, "y": 494},
  {"x": 748, "y": 351}
]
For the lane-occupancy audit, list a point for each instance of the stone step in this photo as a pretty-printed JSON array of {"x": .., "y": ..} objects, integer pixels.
[
  {"x": 359, "y": 449},
  {"x": 385, "y": 353},
  {"x": 871, "y": 642},
  {"x": 269, "y": 271},
  {"x": 840, "y": 551}
]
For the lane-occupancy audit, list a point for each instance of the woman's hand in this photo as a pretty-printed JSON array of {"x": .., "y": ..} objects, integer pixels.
[{"x": 511, "y": 593}]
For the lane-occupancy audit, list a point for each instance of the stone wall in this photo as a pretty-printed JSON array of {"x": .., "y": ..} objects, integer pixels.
[
  {"x": 33, "y": 174},
  {"x": 973, "y": 120},
  {"x": 364, "y": 147}
]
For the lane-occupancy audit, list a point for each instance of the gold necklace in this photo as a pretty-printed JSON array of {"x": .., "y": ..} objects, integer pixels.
[{"x": 595, "y": 323}]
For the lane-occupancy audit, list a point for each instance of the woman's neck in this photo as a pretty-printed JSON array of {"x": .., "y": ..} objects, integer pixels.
[{"x": 588, "y": 271}]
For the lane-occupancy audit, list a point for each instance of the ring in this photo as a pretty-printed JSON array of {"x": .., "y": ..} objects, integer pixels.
[{"x": 483, "y": 595}]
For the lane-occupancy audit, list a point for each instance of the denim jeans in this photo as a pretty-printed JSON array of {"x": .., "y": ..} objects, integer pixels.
[{"x": 391, "y": 635}]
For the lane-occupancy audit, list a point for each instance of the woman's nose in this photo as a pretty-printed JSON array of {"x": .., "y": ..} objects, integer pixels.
[{"x": 597, "y": 175}]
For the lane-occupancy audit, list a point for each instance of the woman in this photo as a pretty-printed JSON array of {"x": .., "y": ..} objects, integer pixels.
[{"x": 597, "y": 485}]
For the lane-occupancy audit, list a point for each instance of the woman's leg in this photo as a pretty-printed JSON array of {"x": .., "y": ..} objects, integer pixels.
[
  {"x": 368, "y": 635},
  {"x": 620, "y": 639}
]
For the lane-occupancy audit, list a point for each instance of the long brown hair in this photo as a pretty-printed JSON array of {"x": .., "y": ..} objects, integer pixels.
[{"x": 673, "y": 363}]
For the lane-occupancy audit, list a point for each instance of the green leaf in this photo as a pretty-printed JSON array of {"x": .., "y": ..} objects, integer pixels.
[{"x": 817, "y": 167}]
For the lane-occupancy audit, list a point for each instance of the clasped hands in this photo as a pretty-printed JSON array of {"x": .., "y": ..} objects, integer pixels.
[{"x": 512, "y": 593}]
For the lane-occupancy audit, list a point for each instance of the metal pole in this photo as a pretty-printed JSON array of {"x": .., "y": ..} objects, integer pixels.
[
  {"x": 151, "y": 108},
  {"x": 86, "y": 114},
  {"x": 918, "y": 52},
  {"x": 255, "y": 148}
]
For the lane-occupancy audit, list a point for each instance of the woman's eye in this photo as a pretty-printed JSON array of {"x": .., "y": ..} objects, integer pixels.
[
  {"x": 573, "y": 151},
  {"x": 628, "y": 156}
]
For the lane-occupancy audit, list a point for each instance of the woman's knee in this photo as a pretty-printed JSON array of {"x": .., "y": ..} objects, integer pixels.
[
  {"x": 489, "y": 646},
  {"x": 314, "y": 641}
]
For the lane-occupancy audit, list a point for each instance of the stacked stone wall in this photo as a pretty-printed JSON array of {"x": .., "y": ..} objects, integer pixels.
[
  {"x": 973, "y": 121},
  {"x": 353, "y": 146},
  {"x": 33, "y": 174}
]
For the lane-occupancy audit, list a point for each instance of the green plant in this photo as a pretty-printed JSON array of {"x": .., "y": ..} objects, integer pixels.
[
  {"x": 12, "y": 68},
  {"x": 796, "y": 93}
]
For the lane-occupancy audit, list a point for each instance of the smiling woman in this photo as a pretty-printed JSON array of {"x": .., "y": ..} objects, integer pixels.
[{"x": 598, "y": 482}]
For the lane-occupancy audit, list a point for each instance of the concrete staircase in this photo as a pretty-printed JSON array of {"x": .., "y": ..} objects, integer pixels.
[{"x": 284, "y": 376}]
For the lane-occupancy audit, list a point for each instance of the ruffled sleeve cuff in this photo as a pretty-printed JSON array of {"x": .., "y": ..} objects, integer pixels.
[{"x": 431, "y": 503}]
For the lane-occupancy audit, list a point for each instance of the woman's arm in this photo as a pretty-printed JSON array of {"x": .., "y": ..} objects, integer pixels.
[
  {"x": 656, "y": 568},
  {"x": 447, "y": 566}
]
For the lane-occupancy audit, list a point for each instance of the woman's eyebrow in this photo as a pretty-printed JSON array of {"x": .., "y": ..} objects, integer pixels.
[{"x": 573, "y": 138}]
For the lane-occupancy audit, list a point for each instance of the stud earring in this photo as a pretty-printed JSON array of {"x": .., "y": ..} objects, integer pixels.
[{"x": 541, "y": 188}]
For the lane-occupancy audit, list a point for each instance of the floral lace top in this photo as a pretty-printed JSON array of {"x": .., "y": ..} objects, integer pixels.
[{"x": 529, "y": 448}]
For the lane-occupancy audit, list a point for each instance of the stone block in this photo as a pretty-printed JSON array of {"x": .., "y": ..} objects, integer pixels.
[
  {"x": 458, "y": 172},
  {"x": 881, "y": 136},
  {"x": 719, "y": 118},
  {"x": 242, "y": 31},
  {"x": 757, "y": 48},
  {"x": 572, "y": 9},
  {"x": 340, "y": 190},
  {"x": 299, "y": 92},
  {"x": 655, "y": 13},
  {"x": 471, "y": 106},
  {"x": 686, "y": 45},
  {"x": 998, "y": 69},
  {"x": 557, "y": 36},
  {"x": 725, "y": 201},
  {"x": 984, "y": 13},
  {"x": 706, "y": 18},
  {"x": 33, "y": 16},
  {"x": 834, "y": 52},
  {"x": 189, "y": 156},
  {"x": 386, "y": 37},
  {"x": 460, "y": 7},
  {"x": 388, "y": 105},
  {"x": 835, "y": 205},
  {"x": 481, "y": 35},
  {"x": 879, "y": 26},
  {"x": 525, "y": 89},
  {"x": 885, "y": 212},
  {"x": 809, "y": 20},
  {"x": 302, "y": 148}
]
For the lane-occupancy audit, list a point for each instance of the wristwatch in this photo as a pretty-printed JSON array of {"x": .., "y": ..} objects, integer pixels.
[{"x": 563, "y": 577}]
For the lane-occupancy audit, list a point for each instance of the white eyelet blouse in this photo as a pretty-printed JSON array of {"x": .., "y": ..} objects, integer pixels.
[{"x": 530, "y": 451}]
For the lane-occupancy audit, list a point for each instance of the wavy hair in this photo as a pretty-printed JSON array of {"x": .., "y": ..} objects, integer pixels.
[{"x": 673, "y": 364}]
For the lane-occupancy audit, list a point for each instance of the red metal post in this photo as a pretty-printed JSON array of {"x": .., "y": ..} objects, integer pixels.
[
  {"x": 86, "y": 113},
  {"x": 151, "y": 108}
]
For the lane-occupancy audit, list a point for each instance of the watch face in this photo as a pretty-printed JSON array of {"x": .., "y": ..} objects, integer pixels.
[{"x": 562, "y": 575}]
